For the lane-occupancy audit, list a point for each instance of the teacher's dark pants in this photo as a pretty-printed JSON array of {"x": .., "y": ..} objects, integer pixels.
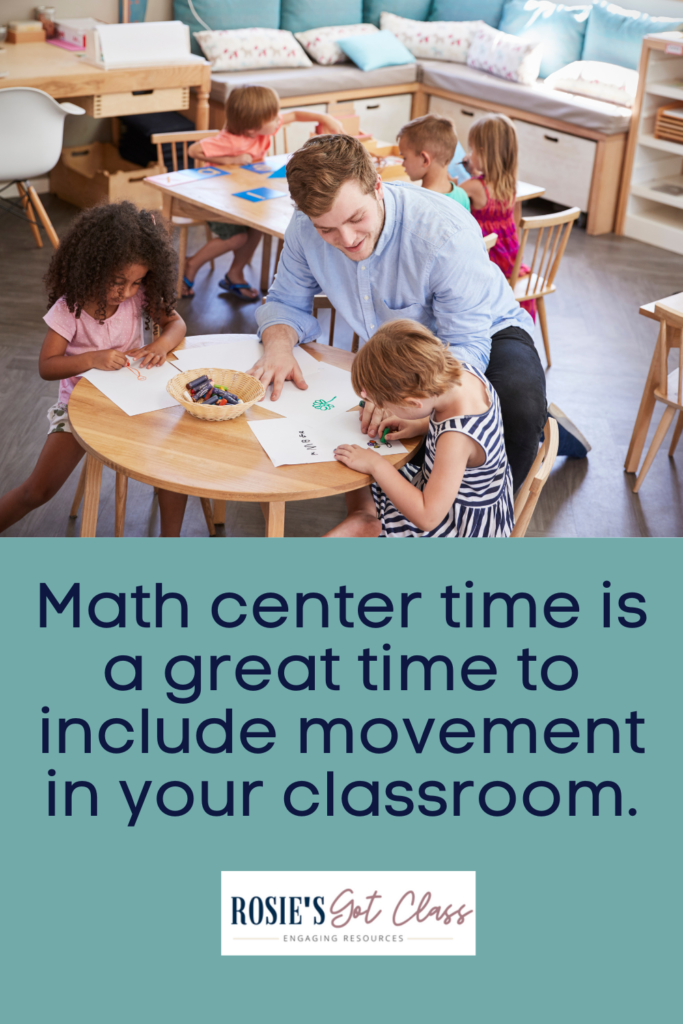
[{"x": 517, "y": 375}]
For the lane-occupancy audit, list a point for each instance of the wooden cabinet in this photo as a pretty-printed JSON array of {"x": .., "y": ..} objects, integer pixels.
[
  {"x": 561, "y": 163},
  {"x": 383, "y": 116},
  {"x": 463, "y": 115}
]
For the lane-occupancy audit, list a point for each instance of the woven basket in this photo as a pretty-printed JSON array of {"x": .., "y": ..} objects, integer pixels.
[{"x": 241, "y": 384}]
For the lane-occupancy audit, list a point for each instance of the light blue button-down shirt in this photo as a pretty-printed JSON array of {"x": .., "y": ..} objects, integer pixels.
[{"x": 430, "y": 265}]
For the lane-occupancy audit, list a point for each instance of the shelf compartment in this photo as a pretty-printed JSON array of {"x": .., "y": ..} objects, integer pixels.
[
  {"x": 653, "y": 143},
  {"x": 655, "y": 224},
  {"x": 668, "y": 90},
  {"x": 652, "y": 190}
]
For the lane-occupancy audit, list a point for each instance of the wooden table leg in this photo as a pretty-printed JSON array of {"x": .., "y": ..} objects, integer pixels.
[
  {"x": 167, "y": 210},
  {"x": 91, "y": 501},
  {"x": 208, "y": 516},
  {"x": 265, "y": 262},
  {"x": 647, "y": 407},
  {"x": 121, "y": 493},
  {"x": 80, "y": 490},
  {"x": 274, "y": 515},
  {"x": 202, "y": 115},
  {"x": 219, "y": 512}
]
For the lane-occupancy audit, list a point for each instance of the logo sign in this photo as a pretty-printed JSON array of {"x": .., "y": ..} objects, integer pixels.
[{"x": 348, "y": 913}]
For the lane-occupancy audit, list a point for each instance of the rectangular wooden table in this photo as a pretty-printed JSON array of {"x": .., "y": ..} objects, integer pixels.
[{"x": 63, "y": 74}]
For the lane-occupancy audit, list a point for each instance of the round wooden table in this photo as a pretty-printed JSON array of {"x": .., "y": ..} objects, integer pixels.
[{"x": 173, "y": 450}]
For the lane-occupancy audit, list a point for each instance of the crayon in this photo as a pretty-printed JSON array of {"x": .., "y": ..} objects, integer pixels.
[
  {"x": 194, "y": 384},
  {"x": 384, "y": 435},
  {"x": 211, "y": 401}
]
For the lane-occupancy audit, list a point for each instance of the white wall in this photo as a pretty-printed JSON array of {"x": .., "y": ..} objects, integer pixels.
[{"x": 105, "y": 10}]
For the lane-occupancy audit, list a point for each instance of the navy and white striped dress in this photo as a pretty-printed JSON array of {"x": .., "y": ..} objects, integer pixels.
[{"x": 483, "y": 506}]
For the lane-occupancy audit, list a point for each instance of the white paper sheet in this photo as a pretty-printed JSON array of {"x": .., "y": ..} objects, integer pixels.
[
  {"x": 298, "y": 440},
  {"x": 135, "y": 390},
  {"x": 329, "y": 392},
  {"x": 235, "y": 352}
]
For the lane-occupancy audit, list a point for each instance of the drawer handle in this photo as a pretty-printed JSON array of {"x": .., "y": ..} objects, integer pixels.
[
  {"x": 142, "y": 92},
  {"x": 551, "y": 138},
  {"x": 80, "y": 152},
  {"x": 467, "y": 113},
  {"x": 372, "y": 106}
]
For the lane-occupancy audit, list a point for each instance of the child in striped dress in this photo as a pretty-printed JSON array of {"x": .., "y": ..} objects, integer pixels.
[{"x": 464, "y": 488}]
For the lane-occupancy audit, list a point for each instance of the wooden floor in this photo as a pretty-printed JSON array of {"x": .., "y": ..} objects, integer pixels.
[{"x": 601, "y": 351}]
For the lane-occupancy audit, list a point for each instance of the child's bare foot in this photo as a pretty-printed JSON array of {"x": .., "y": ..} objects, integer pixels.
[{"x": 357, "y": 524}]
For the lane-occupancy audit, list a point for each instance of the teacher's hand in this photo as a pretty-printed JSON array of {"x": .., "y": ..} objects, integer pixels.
[{"x": 278, "y": 363}]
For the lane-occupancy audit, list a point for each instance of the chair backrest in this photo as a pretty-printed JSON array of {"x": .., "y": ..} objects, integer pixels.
[
  {"x": 32, "y": 133},
  {"x": 529, "y": 492},
  {"x": 186, "y": 138},
  {"x": 553, "y": 234},
  {"x": 490, "y": 241}
]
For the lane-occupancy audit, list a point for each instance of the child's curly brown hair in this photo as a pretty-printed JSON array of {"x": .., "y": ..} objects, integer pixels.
[{"x": 99, "y": 244}]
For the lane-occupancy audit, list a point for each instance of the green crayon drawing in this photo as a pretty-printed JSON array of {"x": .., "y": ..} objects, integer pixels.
[{"x": 320, "y": 403}]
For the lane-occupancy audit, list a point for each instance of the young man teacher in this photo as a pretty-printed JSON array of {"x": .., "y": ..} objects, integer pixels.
[{"x": 387, "y": 252}]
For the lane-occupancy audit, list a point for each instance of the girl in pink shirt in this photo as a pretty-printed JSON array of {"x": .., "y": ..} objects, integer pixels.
[
  {"x": 114, "y": 269},
  {"x": 252, "y": 117}
]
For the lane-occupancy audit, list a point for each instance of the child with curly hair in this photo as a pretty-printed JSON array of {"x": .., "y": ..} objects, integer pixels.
[{"x": 115, "y": 268}]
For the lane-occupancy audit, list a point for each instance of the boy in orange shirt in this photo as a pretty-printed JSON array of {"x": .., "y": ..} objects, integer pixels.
[{"x": 252, "y": 117}]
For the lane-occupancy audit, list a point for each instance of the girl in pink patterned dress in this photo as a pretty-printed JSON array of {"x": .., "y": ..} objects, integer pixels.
[{"x": 492, "y": 189}]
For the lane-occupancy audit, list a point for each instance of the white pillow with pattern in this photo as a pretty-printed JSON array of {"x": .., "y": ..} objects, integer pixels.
[
  {"x": 242, "y": 49},
  {"x": 505, "y": 56},
  {"x": 320, "y": 43},
  {"x": 433, "y": 40},
  {"x": 597, "y": 79}
]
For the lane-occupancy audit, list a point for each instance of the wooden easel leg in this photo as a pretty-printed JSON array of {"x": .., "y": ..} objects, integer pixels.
[
  {"x": 91, "y": 501},
  {"x": 219, "y": 512},
  {"x": 265, "y": 262},
  {"x": 121, "y": 492},
  {"x": 208, "y": 515},
  {"x": 274, "y": 515},
  {"x": 45, "y": 220},
  {"x": 540, "y": 305},
  {"x": 660, "y": 433},
  {"x": 645, "y": 410},
  {"x": 78, "y": 496},
  {"x": 29, "y": 214},
  {"x": 678, "y": 430}
]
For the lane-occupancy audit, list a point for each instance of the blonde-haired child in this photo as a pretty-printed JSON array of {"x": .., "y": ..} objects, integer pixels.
[
  {"x": 252, "y": 117},
  {"x": 492, "y": 189},
  {"x": 464, "y": 488}
]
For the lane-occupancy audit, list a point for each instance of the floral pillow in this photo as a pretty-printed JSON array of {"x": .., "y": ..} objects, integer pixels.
[
  {"x": 505, "y": 56},
  {"x": 435, "y": 40},
  {"x": 246, "y": 48},
  {"x": 320, "y": 43},
  {"x": 597, "y": 79}
]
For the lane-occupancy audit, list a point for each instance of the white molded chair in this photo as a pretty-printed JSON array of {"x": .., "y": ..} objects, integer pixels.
[{"x": 32, "y": 132}]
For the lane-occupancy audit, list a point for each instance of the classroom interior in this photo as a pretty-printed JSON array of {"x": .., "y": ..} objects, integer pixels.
[{"x": 624, "y": 252}]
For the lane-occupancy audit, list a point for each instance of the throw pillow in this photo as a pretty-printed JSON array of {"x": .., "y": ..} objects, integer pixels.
[
  {"x": 505, "y": 56},
  {"x": 378, "y": 50},
  {"x": 246, "y": 48},
  {"x": 615, "y": 36},
  {"x": 302, "y": 15},
  {"x": 561, "y": 29},
  {"x": 467, "y": 10},
  {"x": 436, "y": 40},
  {"x": 220, "y": 14},
  {"x": 600, "y": 81},
  {"x": 321, "y": 43},
  {"x": 417, "y": 9}
]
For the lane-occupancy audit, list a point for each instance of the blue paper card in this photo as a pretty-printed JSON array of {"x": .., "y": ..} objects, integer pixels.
[
  {"x": 256, "y": 195},
  {"x": 281, "y": 172},
  {"x": 259, "y": 168}
]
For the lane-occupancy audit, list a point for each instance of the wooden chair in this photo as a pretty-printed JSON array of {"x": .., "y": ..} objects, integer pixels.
[
  {"x": 669, "y": 389},
  {"x": 490, "y": 241},
  {"x": 528, "y": 494},
  {"x": 322, "y": 302},
  {"x": 553, "y": 234},
  {"x": 121, "y": 492},
  {"x": 183, "y": 223}
]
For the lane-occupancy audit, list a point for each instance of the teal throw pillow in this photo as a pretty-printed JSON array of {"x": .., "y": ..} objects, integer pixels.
[
  {"x": 415, "y": 9},
  {"x": 467, "y": 10},
  {"x": 561, "y": 29},
  {"x": 377, "y": 50},
  {"x": 302, "y": 15},
  {"x": 615, "y": 36}
]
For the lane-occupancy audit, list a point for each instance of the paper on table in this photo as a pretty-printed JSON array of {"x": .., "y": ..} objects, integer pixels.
[
  {"x": 329, "y": 392},
  {"x": 188, "y": 177},
  {"x": 301, "y": 439},
  {"x": 236, "y": 352},
  {"x": 135, "y": 390}
]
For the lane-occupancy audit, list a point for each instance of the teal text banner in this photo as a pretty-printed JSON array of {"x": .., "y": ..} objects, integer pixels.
[{"x": 523, "y": 699}]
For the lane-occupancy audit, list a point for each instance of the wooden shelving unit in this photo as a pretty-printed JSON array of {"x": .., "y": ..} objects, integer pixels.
[{"x": 651, "y": 198}]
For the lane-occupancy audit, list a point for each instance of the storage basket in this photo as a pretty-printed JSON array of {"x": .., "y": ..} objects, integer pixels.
[
  {"x": 241, "y": 384},
  {"x": 669, "y": 126},
  {"x": 96, "y": 173}
]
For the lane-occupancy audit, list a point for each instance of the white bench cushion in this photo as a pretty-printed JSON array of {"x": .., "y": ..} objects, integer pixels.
[
  {"x": 308, "y": 81},
  {"x": 582, "y": 111}
]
